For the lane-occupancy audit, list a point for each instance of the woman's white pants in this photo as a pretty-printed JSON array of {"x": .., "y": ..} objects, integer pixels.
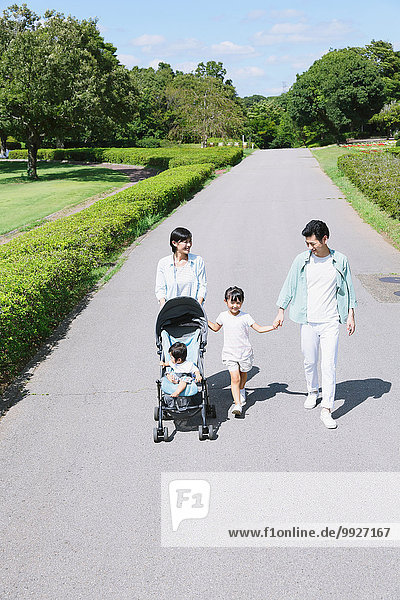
[{"x": 324, "y": 335}]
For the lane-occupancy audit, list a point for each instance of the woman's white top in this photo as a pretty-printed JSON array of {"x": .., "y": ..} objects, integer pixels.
[{"x": 188, "y": 280}]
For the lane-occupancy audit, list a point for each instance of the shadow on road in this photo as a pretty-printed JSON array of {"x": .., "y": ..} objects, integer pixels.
[
  {"x": 355, "y": 391},
  {"x": 220, "y": 395}
]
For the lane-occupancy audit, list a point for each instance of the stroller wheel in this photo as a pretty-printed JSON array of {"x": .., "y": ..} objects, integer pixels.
[
  {"x": 156, "y": 435},
  {"x": 165, "y": 434},
  {"x": 201, "y": 433},
  {"x": 156, "y": 412},
  {"x": 211, "y": 431}
]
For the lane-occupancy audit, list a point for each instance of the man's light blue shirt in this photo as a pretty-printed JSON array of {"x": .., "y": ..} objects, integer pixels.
[{"x": 294, "y": 290}]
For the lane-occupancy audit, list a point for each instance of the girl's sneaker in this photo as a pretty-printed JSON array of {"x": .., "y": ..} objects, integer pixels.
[{"x": 236, "y": 409}]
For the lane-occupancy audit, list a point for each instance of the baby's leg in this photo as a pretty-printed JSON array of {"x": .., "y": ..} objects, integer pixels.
[
  {"x": 235, "y": 386},
  {"x": 181, "y": 387}
]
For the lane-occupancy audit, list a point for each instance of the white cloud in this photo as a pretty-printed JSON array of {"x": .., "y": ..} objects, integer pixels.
[
  {"x": 148, "y": 40},
  {"x": 293, "y": 33},
  {"x": 246, "y": 72},
  {"x": 231, "y": 48},
  {"x": 255, "y": 15},
  {"x": 128, "y": 60}
]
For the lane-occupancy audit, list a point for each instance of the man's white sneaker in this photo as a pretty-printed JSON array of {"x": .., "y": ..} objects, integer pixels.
[
  {"x": 236, "y": 409},
  {"x": 242, "y": 397},
  {"x": 311, "y": 400},
  {"x": 327, "y": 420}
]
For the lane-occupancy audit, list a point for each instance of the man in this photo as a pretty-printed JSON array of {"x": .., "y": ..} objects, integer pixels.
[{"x": 320, "y": 291}]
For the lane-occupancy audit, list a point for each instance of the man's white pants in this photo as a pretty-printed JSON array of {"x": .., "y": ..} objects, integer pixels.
[{"x": 324, "y": 335}]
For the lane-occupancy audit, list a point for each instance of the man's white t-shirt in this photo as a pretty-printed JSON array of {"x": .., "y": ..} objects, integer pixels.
[
  {"x": 321, "y": 290},
  {"x": 236, "y": 335}
]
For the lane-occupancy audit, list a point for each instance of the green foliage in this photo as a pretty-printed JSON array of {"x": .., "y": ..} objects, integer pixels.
[
  {"x": 377, "y": 176},
  {"x": 204, "y": 107},
  {"x": 59, "y": 77},
  {"x": 161, "y": 158},
  {"x": 339, "y": 92},
  {"x": 45, "y": 271},
  {"x": 388, "y": 119},
  {"x": 388, "y": 62}
]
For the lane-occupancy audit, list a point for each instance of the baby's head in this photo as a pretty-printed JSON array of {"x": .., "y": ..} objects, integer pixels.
[
  {"x": 178, "y": 352},
  {"x": 234, "y": 298}
]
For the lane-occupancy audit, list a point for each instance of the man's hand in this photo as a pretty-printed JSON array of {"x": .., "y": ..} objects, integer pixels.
[
  {"x": 351, "y": 323},
  {"x": 278, "y": 322}
]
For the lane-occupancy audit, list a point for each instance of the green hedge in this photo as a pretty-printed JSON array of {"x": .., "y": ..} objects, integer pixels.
[
  {"x": 160, "y": 158},
  {"x": 394, "y": 150},
  {"x": 44, "y": 272},
  {"x": 377, "y": 176}
]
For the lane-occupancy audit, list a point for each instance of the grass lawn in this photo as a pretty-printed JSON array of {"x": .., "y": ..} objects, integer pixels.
[
  {"x": 368, "y": 210},
  {"x": 60, "y": 185}
]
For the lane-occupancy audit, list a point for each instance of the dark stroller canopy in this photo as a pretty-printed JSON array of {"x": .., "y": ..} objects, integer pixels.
[{"x": 183, "y": 311}]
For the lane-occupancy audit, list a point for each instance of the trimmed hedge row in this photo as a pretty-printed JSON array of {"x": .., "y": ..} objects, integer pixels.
[
  {"x": 44, "y": 272},
  {"x": 394, "y": 150},
  {"x": 161, "y": 158},
  {"x": 377, "y": 175}
]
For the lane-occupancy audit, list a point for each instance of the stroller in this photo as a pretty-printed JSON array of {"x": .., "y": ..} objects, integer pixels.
[{"x": 182, "y": 319}]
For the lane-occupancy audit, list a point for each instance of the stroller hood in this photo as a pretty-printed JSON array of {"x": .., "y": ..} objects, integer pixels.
[{"x": 182, "y": 312}]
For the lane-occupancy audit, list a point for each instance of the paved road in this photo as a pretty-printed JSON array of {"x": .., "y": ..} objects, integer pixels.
[{"x": 81, "y": 475}]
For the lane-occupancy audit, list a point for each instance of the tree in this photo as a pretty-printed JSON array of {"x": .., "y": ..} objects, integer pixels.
[
  {"x": 262, "y": 122},
  {"x": 388, "y": 62},
  {"x": 154, "y": 117},
  {"x": 340, "y": 91},
  {"x": 59, "y": 77},
  {"x": 388, "y": 119},
  {"x": 203, "y": 108}
]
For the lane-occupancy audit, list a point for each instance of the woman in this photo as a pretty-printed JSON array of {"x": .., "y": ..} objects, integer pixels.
[{"x": 183, "y": 273}]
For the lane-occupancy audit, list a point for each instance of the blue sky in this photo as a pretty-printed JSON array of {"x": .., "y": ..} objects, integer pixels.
[{"x": 261, "y": 44}]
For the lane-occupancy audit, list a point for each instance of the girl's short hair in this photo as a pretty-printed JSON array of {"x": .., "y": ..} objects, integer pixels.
[
  {"x": 234, "y": 293},
  {"x": 179, "y": 234}
]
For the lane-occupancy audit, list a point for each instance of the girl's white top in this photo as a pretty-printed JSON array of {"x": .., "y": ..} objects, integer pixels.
[
  {"x": 236, "y": 335},
  {"x": 189, "y": 280}
]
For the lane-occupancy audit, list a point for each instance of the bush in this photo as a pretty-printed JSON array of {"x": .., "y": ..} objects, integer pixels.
[
  {"x": 159, "y": 158},
  {"x": 148, "y": 142},
  {"x": 45, "y": 271},
  {"x": 377, "y": 175}
]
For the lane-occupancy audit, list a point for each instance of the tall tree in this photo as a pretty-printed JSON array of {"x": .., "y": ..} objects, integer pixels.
[
  {"x": 57, "y": 77},
  {"x": 204, "y": 108},
  {"x": 387, "y": 60},
  {"x": 340, "y": 91}
]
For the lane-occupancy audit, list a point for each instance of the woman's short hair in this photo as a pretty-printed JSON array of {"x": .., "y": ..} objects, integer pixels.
[
  {"x": 235, "y": 294},
  {"x": 179, "y": 234},
  {"x": 317, "y": 228}
]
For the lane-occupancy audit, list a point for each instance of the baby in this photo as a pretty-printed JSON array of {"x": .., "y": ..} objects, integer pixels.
[{"x": 183, "y": 371}]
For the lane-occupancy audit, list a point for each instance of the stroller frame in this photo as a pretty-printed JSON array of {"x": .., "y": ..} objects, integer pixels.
[{"x": 183, "y": 314}]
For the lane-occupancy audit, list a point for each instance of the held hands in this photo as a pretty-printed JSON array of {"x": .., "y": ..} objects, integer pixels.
[{"x": 278, "y": 322}]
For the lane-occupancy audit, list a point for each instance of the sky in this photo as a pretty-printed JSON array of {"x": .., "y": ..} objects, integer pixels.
[{"x": 262, "y": 45}]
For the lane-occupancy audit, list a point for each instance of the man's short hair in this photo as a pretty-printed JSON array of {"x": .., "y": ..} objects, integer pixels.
[
  {"x": 235, "y": 294},
  {"x": 178, "y": 350},
  {"x": 317, "y": 228}
]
